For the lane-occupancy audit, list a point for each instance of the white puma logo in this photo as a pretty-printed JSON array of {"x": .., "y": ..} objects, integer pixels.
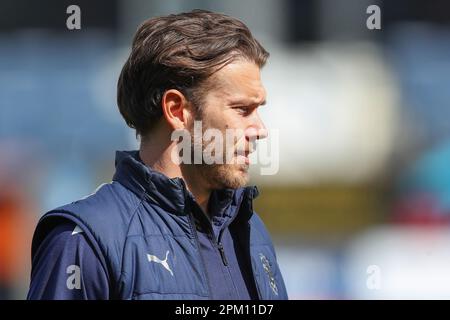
[{"x": 162, "y": 262}]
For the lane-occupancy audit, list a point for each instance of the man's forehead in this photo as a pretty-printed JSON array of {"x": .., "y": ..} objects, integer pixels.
[{"x": 240, "y": 81}]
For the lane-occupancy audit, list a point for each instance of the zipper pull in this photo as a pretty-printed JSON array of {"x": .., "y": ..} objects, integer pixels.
[{"x": 222, "y": 254}]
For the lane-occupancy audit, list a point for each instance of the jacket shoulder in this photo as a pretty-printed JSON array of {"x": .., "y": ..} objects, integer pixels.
[
  {"x": 104, "y": 216},
  {"x": 109, "y": 208}
]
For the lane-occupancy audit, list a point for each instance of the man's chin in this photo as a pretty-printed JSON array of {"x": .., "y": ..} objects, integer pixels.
[
  {"x": 229, "y": 176},
  {"x": 239, "y": 176}
]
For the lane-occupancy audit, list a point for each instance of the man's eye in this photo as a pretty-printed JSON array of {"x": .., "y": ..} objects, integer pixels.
[{"x": 241, "y": 110}]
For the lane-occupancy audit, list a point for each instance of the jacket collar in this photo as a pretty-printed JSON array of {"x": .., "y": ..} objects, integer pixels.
[{"x": 171, "y": 193}]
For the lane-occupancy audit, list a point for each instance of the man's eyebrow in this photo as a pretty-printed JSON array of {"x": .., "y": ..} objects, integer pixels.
[
  {"x": 259, "y": 103},
  {"x": 248, "y": 102}
]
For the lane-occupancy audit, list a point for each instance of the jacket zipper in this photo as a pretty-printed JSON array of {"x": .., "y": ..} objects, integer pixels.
[
  {"x": 216, "y": 243},
  {"x": 222, "y": 254},
  {"x": 219, "y": 242}
]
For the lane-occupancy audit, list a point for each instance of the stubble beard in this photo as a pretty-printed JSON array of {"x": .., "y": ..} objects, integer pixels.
[{"x": 221, "y": 176}]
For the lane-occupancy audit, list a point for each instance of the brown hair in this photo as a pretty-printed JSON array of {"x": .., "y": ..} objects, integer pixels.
[{"x": 179, "y": 51}]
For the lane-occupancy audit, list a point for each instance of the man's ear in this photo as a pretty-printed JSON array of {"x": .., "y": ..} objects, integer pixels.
[{"x": 176, "y": 109}]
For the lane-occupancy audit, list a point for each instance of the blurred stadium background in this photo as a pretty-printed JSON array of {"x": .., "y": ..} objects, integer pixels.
[{"x": 360, "y": 207}]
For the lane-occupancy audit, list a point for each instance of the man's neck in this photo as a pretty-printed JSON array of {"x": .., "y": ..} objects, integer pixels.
[{"x": 195, "y": 186}]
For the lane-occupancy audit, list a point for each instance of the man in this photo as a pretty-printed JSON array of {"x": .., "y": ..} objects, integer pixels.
[{"x": 165, "y": 228}]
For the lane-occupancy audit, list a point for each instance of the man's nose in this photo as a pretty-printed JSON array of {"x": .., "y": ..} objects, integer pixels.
[{"x": 257, "y": 130}]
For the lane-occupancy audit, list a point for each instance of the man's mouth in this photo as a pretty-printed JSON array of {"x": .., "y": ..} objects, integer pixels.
[{"x": 243, "y": 156}]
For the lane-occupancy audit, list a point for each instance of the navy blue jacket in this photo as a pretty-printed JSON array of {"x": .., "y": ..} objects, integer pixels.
[{"x": 154, "y": 242}]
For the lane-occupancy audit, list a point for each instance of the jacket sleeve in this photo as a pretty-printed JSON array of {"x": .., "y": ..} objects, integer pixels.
[{"x": 66, "y": 267}]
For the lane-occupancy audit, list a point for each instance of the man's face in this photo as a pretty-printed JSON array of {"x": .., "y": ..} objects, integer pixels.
[{"x": 233, "y": 104}]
